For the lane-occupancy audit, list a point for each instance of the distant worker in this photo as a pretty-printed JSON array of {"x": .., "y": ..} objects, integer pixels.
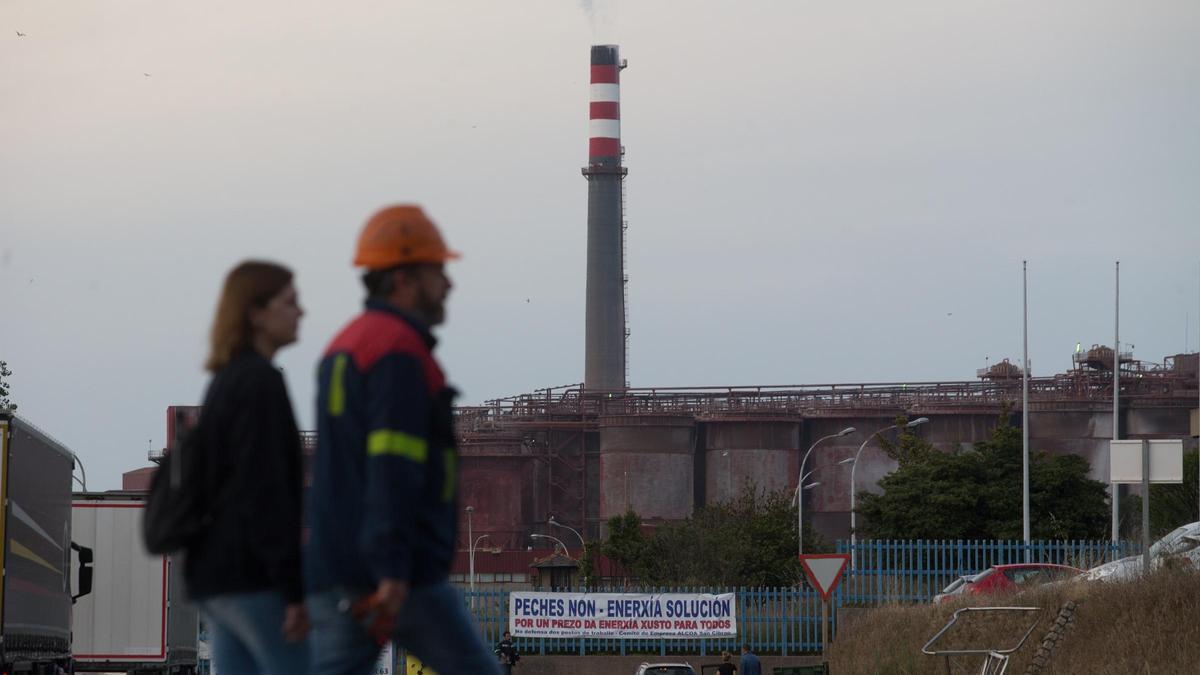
[
  {"x": 243, "y": 568},
  {"x": 382, "y": 510},
  {"x": 749, "y": 662},
  {"x": 726, "y": 667},
  {"x": 506, "y": 653}
]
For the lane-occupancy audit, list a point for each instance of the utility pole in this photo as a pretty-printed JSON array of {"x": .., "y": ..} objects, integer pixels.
[
  {"x": 1116, "y": 414},
  {"x": 1025, "y": 410}
]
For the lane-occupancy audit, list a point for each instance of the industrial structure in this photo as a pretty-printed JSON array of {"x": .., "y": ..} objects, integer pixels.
[
  {"x": 572, "y": 457},
  {"x": 584, "y": 456},
  {"x": 606, "y": 330}
]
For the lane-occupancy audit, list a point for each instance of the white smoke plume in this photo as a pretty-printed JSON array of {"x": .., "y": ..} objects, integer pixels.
[{"x": 601, "y": 16}]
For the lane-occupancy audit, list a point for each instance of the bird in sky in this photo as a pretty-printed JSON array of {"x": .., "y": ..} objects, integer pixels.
[
  {"x": 146, "y": 74},
  {"x": 20, "y": 34}
]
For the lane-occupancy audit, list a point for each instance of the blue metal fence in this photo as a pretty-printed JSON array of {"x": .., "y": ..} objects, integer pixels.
[
  {"x": 914, "y": 571},
  {"x": 788, "y": 620}
]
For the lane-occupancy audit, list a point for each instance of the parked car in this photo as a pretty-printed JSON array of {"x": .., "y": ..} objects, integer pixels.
[
  {"x": 1006, "y": 578},
  {"x": 665, "y": 669},
  {"x": 1183, "y": 543},
  {"x": 1180, "y": 540},
  {"x": 956, "y": 587}
]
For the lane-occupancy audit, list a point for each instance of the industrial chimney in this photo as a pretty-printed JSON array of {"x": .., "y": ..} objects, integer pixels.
[{"x": 605, "y": 327}]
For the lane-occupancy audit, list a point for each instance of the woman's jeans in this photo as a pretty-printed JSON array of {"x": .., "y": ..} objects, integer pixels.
[{"x": 247, "y": 635}]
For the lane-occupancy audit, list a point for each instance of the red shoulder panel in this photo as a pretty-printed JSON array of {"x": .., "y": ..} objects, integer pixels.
[{"x": 374, "y": 335}]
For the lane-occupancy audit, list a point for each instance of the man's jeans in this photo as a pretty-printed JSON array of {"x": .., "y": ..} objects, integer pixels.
[
  {"x": 433, "y": 625},
  {"x": 247, "y": 635}
]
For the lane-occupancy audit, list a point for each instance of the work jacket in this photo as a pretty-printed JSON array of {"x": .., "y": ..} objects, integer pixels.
[{"x": 384, "y": 479}]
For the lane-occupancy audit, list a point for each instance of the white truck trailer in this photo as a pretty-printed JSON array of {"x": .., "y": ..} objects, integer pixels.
[{"x": 136, "y": 619}]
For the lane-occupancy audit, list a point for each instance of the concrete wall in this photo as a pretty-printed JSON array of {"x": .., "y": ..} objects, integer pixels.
[{"x": 1156, "y": 422}]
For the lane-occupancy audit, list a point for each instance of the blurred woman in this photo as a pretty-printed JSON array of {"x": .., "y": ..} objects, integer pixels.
[
  {"x": 243, "y": 569},
  {"x": 726, "y": 667}
]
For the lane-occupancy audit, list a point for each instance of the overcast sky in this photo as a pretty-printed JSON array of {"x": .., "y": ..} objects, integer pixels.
[{"x": 817, "y": 192}]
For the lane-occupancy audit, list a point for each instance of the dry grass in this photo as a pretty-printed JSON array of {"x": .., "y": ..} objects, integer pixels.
[{"x": 1147, "y": 626}]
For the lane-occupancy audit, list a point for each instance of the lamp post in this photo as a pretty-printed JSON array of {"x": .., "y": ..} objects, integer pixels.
[
  {"x": 470, "y": 552},
  {"x": 799, "y": 496},
  {"x": 796, "y": 496},
  {"x": 582, "y": 543},
  {"x": 853, "y": 521},
  {"x": 471, "y": 558},
  {"x": 556, "y": 540}
]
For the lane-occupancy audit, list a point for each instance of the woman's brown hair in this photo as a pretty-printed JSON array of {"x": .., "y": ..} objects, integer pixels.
[{"x": 251, "y": 284}]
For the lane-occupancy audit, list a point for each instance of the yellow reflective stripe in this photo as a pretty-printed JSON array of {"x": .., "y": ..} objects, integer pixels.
[
  {"x": 23, "y": 551},
  {"x": 337, "y": 390},
  {"x": 389, "y": 442},
  {"x": 451, "y": 464}
]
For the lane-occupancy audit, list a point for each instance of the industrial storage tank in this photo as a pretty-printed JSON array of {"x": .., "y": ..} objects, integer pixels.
[
  {"x": 763, "y": 452},
  {"x": 647, "y": 465},
  {"x": 499, "y": 480}
]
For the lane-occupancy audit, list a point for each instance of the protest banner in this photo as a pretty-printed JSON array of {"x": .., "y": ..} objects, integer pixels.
[{"x": 622, "y": 615}]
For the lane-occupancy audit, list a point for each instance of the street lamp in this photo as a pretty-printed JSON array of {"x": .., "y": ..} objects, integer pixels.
[
  {"x": 471, "y": 552},
  {"x": 853, "y": 521},
  {"x": 800, "y": 497},
  {"x": 556, "y": 540},
  {"x": 582, "y": 543},
  {"x": 471, "y": 558}
]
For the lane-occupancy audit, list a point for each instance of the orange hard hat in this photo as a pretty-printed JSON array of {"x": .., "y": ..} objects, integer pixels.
[{"x": 400, "y": 235}]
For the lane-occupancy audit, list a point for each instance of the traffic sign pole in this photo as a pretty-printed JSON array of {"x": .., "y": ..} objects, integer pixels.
[
  {"x": 824, "y": 571},
  {"x": 824, "y": 629}
]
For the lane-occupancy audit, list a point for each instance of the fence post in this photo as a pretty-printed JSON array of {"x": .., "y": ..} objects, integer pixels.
[
  {"x": 663, "y": 641},
  {"x": 782, "y": 603}
]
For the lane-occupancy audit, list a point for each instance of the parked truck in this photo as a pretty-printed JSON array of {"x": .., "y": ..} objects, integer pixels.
[
  {"x": 38, "y": 556},
  {"x": 137, "y": 619}
]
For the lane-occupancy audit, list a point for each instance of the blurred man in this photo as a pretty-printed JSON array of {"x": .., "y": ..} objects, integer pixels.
[
  {"x": 382, "y": 510},
  {"x": 749, "y": 662}
]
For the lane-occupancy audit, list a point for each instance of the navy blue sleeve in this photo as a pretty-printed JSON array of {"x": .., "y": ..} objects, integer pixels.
[{"x": 398, "y": 454}]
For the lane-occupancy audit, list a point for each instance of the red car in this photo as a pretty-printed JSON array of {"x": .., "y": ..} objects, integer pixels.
[{"x": 1006, "y": 579}]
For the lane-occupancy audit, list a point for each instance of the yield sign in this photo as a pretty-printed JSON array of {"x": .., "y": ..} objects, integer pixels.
[{"x": 824, "y": 571}]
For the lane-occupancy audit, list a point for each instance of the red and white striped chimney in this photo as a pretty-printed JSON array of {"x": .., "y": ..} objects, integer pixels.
[
  {"x": 605, "y": 330},
  {"x": 604, "y": 145}
]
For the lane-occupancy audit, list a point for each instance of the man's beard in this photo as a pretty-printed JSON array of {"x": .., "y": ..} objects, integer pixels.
[{"x": 432, "y": 309}]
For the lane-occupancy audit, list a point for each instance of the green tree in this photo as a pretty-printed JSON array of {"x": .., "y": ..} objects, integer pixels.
[
  {"x": 937, "y": 498},
  {"x": 1063, "y": 502},
  {"x": 748, "y": 541},
  {"x": 625, "y": 544},
  {"x": 976, "y": 494},
  {"x": 6, "y": 404}
]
